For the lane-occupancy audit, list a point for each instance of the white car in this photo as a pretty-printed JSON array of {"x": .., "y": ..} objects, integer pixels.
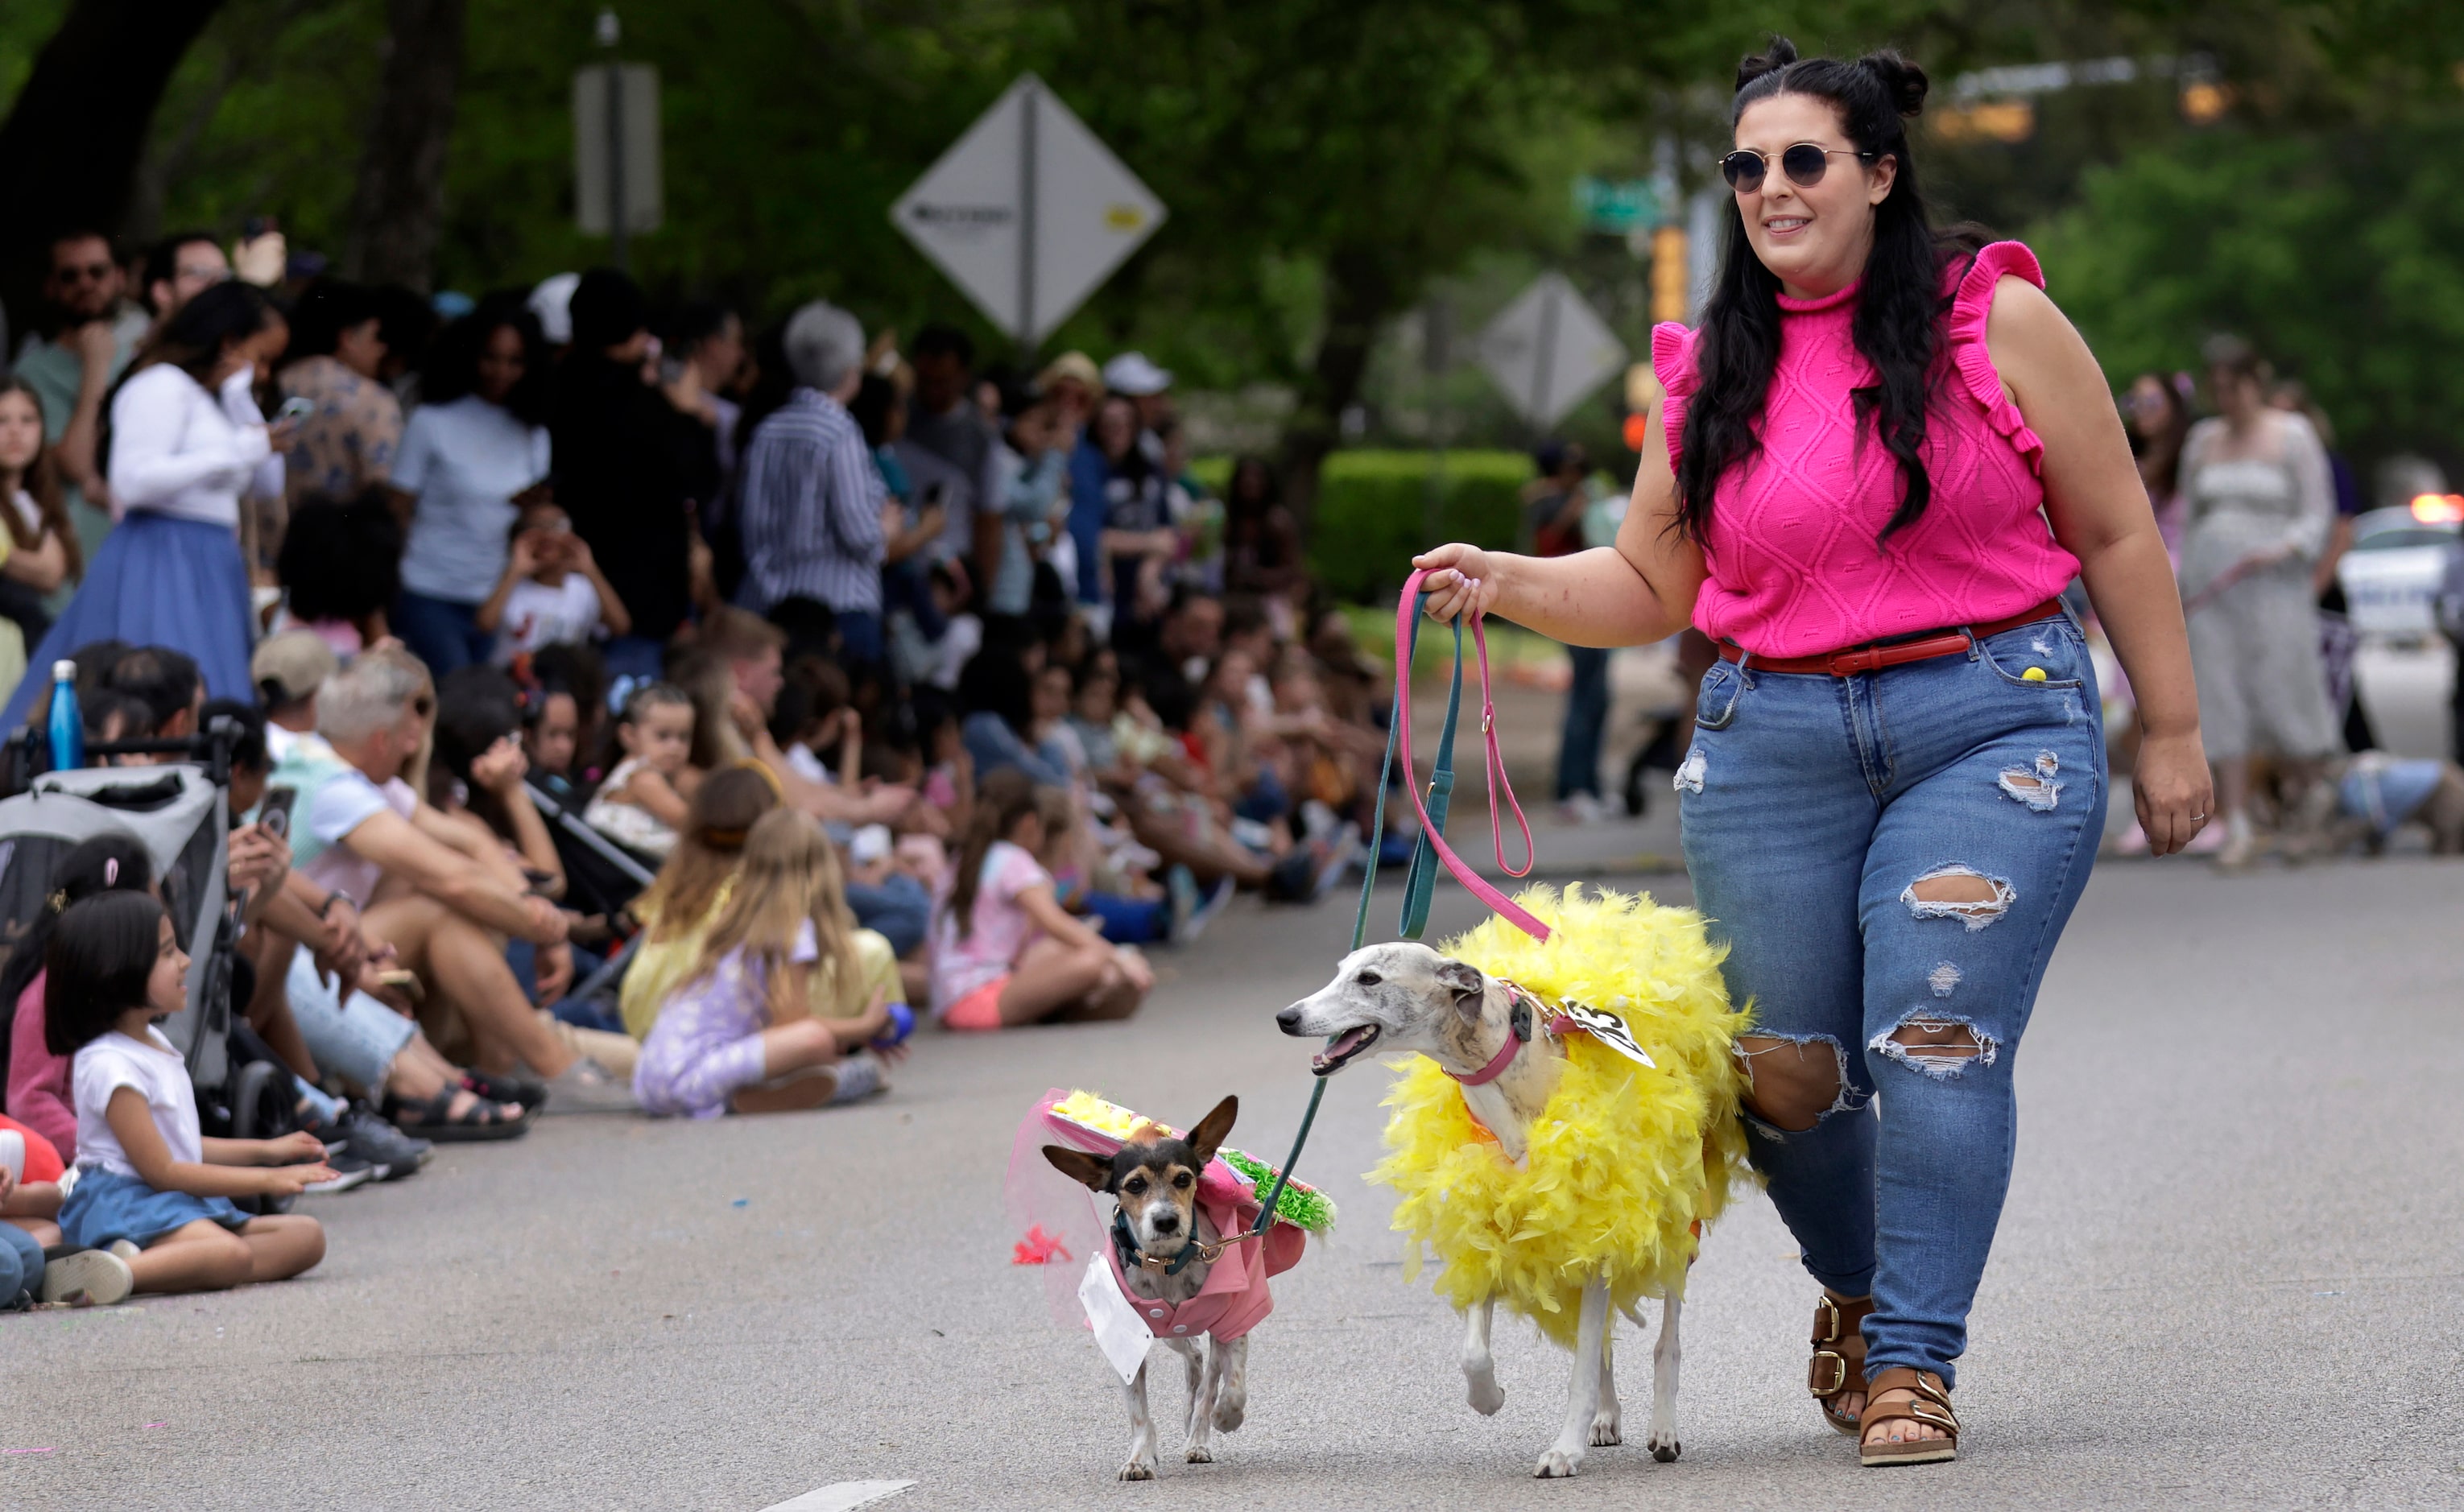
[{"x": 2391, "y": 575}]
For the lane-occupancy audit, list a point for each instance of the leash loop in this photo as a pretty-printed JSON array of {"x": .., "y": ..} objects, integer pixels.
[
  {"x": 1407, "y": 605},
  {"x": 1419, "y": 881}
]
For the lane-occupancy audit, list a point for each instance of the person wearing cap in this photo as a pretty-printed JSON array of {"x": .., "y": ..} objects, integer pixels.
[
  {"x": 1074, "y": 387},
  {"x": 551, "y": 304},
  {"x": 632, "y": 463},
  {"x": 1149, "y": 387},
  {"x": 288, "y": 669}
]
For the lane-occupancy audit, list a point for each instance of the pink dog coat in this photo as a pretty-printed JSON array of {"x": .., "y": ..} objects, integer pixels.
[{"x": 1235, "y": 1298}]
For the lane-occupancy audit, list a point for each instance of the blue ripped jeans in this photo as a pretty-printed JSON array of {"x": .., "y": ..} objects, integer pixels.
[{"x": 1836, "y": 829}]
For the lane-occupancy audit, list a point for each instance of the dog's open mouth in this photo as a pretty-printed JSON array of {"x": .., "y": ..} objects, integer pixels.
[{"x": 1346, "y": 1046}]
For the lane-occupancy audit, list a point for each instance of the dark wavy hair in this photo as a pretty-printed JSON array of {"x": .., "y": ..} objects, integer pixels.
[
  {"x": 1900, "y": 309},
  {"x": 451, "y": 369}
]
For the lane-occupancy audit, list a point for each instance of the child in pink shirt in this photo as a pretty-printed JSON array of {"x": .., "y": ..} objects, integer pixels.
[{"x": 1004, "y": 951}]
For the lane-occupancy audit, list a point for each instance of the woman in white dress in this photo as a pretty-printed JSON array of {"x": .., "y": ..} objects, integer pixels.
[{"x": 2259, "y": 506}]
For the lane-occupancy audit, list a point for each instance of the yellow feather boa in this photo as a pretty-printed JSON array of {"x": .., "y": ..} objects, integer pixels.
[{"x": 1625, "y": 1160}]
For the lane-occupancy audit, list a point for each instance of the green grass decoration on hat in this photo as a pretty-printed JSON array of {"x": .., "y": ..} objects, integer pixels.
[{"x": 1303, "y": 1206}]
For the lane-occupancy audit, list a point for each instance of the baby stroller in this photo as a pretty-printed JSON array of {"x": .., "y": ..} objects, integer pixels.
[{"x": 181, "y": 815}]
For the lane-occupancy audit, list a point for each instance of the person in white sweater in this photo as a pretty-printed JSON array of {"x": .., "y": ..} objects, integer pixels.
[{"x": 186, "y": 445}]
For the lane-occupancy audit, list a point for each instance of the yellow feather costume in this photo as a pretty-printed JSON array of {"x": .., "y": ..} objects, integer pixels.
[{"x": 1625, "y": 1161}]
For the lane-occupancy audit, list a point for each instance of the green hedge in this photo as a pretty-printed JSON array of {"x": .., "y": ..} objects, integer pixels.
[{"x": 1372, "y": 507}]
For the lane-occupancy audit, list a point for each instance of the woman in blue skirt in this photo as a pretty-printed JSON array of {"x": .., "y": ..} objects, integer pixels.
[{"x": 188, "y": 445}]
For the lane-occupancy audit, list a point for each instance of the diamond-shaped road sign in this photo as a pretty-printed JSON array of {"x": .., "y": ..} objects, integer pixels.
[
  {"x": 1547, "y": 350},
  {"x": 1028, "y": 211}
]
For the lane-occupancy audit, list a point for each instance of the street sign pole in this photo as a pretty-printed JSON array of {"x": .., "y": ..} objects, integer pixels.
[
  {"x": 616, "y": 116},
  {"x": 1027, "y": 187},
  {"x": 616, "y": 248},
  {"x": 1543, "y": 366}
]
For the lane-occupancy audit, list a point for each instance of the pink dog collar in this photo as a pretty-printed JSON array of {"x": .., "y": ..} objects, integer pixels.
[{"x": 1497, "y": 1065}]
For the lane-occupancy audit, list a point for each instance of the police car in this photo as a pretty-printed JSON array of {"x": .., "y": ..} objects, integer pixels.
[{"x": 2391, "y": 575}]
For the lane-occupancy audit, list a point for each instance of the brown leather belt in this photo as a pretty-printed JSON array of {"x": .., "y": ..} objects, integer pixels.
[{"x": 1875, "y": 655}]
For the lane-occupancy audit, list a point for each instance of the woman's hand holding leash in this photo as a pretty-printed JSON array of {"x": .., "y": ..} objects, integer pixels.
[{"x": 1462, "y": 581}]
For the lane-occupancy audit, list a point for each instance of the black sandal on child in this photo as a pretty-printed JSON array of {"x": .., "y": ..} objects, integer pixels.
[
  {"x": 433, "y": 1119},
  {"x": 504, "y": 1088}
]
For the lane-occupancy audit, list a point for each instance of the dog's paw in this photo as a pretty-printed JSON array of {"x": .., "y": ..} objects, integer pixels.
[
  {"x": 1199, "y": 1454},
  {"x": 1606, "y": 1429},
  {"x": 1139, "y": 1470},
  {"x": 1663, "y": 1446},
  {"x": 1230, "y": 1415},
  {"x": 1485, "y": 1395},
  {"x": 1557, "y": 1465}
]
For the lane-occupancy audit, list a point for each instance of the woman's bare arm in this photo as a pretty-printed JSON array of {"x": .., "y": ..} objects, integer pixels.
[
  {"x": 2100, "y": 512},
  {"x": 1637, "y": 591}
]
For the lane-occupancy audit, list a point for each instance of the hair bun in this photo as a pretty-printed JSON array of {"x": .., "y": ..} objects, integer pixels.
[
  {"x": 1903, "y": 80},
  {"x": 1778, "y": 56}
]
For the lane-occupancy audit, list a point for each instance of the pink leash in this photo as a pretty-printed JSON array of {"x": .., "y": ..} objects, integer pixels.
[{"x": 1493, "y": 767}]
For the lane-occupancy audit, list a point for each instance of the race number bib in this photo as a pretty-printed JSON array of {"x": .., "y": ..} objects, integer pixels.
[
  {"x": 1119, "y": 1331},
  {"x": 1607, "y": 1028}
]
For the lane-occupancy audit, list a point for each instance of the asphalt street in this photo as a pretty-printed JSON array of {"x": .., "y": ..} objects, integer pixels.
[{"x": 2226, "y": 1276}]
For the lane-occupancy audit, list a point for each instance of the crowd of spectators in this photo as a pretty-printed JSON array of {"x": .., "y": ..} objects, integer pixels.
[{"x": 665, "y": 717}]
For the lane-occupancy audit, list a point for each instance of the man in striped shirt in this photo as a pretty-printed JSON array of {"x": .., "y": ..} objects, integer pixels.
[{"x": 812, "y": 498}]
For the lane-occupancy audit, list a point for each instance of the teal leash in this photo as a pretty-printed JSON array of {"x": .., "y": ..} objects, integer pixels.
[{"x": 1419, "y": 879}]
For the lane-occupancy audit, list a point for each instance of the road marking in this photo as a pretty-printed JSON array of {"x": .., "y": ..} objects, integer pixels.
[{"x": 843, "y": 1497}]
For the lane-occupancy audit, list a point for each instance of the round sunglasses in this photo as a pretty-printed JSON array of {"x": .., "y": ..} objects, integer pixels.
[{"x": 1804, "y": 163}]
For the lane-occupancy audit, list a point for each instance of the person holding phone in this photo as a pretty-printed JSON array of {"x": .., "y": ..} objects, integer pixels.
[
  {"x": 472, "y": 454},
  {"x": 188, "y": 445}
]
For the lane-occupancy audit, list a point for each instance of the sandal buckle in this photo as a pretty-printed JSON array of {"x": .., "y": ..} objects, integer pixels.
[
  {"x": 1813, "y": 1374},
  {"x": 1826, "y": 1319}
]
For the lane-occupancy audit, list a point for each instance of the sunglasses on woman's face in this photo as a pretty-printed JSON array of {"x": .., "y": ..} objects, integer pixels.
[{"x": 1804, "y": 163}]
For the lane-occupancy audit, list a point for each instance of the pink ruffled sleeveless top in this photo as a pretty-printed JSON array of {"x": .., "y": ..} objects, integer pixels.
[{"x": 1793, "y": 568}]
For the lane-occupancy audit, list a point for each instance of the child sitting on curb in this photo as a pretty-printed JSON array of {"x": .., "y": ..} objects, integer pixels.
[
  {"x": 744, "y": 1034},
  {"x": 1004, "y": 951},
  {"x": 643, "y": 802},
  {"x": 152, "y": 1204}
]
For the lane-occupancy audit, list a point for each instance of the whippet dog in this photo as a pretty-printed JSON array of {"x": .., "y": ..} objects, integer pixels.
[{"x": 1407, "y": 997}]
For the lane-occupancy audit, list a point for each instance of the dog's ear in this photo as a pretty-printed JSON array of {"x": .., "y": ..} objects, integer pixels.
[
  {"x": 1464, "y": 981},
  {"x": 1093, "y": 1172},
  {"x": 1208, "y": 1136}
]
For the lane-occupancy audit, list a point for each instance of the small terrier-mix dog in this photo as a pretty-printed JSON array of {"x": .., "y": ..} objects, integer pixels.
[{"x": 1166, "y": 1247}]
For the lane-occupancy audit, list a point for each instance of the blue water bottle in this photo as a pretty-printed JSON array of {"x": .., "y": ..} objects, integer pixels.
[{"x": 66, "y": 728}]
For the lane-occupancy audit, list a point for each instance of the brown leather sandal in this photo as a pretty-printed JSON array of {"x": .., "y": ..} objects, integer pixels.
[
  {"x": 1838, "y": 1363},
  {"x": 1931, "y": 1407}
]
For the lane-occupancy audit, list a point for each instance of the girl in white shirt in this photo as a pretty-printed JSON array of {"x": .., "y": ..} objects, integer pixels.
[
  {"x": 152, "y": 1192},
  {"x": 187, "y": 446}
]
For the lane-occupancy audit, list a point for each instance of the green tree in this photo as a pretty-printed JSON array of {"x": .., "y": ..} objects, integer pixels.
[{"x": 2334, "y": 252}]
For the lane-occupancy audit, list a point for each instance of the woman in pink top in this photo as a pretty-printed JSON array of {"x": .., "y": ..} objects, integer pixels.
[{"x": 1886, "y": 454}]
